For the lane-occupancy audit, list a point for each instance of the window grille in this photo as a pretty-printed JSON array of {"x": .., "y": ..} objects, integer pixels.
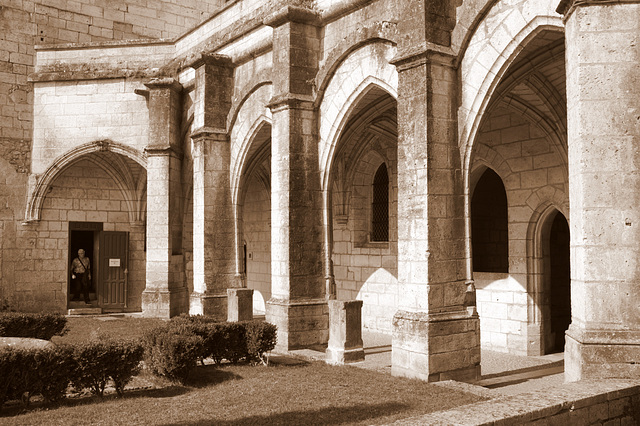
[{"x": 380, "y": 206}]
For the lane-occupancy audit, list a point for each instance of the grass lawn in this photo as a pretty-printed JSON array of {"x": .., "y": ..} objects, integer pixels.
[{"x": 287, "y": 392}]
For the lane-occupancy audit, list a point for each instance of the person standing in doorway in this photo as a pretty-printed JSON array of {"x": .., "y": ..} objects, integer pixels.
[{"x": 81, "y": 276}]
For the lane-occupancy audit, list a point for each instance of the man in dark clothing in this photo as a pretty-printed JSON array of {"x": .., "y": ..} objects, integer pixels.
[{"x": 81, "y": 276}]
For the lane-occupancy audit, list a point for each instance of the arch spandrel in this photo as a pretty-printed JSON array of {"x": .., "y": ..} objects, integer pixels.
[
  {"x": 360, "y": 71},
  {"x": 39, "y": 184},
  {"x": 496, "y": 41}
]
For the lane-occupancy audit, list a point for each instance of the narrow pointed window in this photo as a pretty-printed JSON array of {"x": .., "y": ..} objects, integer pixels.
[{"x": 380, "y": 206}]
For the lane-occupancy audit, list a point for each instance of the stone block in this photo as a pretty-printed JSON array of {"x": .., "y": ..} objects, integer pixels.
[
  {"x": 239, "y": 304},
  {"x": 345, "y": 332}
]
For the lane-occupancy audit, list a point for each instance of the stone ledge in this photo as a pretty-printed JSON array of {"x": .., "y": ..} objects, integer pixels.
[{"x": 570, "y": 403}]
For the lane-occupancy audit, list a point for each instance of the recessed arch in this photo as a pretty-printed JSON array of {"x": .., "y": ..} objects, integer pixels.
[
  {"x": 258, "y": 137},
  {"x": 477, "y": 92},
  {"x": 44, "y": 181},
  {"x": 538, "y": 233},
  {"x": 369, "y": 85}
]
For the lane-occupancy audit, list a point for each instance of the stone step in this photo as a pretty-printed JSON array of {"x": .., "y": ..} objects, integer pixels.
[{"x": 89, "y": 310}]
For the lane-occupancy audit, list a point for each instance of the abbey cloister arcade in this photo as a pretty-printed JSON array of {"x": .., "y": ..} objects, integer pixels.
[{"x": 466, "y": 169}]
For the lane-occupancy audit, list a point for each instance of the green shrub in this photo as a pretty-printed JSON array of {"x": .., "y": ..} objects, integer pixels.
[
  {"x": 36, "y": 326},
  {"x": 28, "y": 372},
  {"x": 234, "y": 341},
  {"x": 12, "y": 362},
  {"x": 97, "y": 361},
  {"x": 261, "y": 337},
  {"x": 53, "y": 368},
  {"x": 172, "y": 350}
]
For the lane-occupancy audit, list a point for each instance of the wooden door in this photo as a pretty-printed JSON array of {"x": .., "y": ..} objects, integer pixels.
[{"x": 112, "y": 286}]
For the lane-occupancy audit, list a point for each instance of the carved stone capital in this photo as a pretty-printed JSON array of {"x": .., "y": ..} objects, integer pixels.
[
  {"x": 424, "y": 54},
  {"x": 566, "y": 7},
  {"x": 164, "y": 83},
  {"x": 213, "y": 59},
  {"x": 293, "y": 14}
]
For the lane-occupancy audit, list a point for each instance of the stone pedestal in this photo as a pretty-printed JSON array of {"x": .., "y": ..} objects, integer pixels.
[
  {"x": 165, "y": 292},
  {"x": 603, "y": 110},
  {"x": 298, "y": 306},
  {"x": 345, "y": 332},
  {"x": 239, "y": 304},
  {"x": 301, "y": 324}
]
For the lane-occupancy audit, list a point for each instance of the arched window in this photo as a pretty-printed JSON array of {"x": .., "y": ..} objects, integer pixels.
[
  {"x": 380, "y": 205},
  {"x": 489, "y": 228}
]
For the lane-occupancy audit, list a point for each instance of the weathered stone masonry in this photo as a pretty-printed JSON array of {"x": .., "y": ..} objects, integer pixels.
[{"x": 243, "y": 152}]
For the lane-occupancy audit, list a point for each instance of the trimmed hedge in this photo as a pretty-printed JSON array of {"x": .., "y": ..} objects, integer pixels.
[
  {"x": 95, "y": 362},
  {"x": 27, "y": 372},
  {"x": 261, "y": 337},
  {"x": 172, "y": 350},
  {"x": 35, "y": 326},
  {"x": 49, "y": 371}
]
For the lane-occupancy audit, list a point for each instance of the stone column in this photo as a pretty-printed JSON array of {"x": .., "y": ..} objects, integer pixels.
[
  {"x": 213, "y": 225},
  {"x": 435, "y": 337},
  {"x": 603, "y": 122},
  {"x": 298, "y": 305},
  {"x": 165, "y": 294}
]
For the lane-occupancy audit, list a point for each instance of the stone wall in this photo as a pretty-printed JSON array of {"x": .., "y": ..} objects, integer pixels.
[
  {"x": 366, "y": 270},
  {"x": 605, "y": 402},
  {"x": 25, "y": 24}
]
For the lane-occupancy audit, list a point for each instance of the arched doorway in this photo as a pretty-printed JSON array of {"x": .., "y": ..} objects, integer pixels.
[
  {"x": 97, "y": 202},
  {"x": 255, "y": 217},
  {"x": 557, "y": 282}
]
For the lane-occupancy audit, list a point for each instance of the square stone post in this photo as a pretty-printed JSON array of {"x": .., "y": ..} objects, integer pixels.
[
  {"x": 240, "y": 304},
  {"x": 435, "y": 337},
  {"x": 603, "y": 123},
  {"x": 213, "y": 226},
  {"x": 298, "y": 306},
  {"x": 345, "y": 333},
  {"x": 165, "y": 294}
]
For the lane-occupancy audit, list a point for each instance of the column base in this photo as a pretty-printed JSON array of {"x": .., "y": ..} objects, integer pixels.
[
  {"x": 339, "y": 356},
  {"x": 301, "y": 324},
  {"x": 435, "y": 347},
  {"x": 213, "y": 305},
  {"x": 601, "y": 354},
  {"x": 164, "y": 303}
]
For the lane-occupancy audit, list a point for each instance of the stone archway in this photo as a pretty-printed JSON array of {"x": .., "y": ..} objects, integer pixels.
[
  {"x": 522, "y": 133},
  {"x": 97, "y": 202}
]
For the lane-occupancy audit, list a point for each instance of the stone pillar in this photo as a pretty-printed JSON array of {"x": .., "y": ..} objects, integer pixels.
[
  {"x": 435, "y": 336},
  {"x": 345, "y": 332},
  {"x": 240, "y": 304},
  {"x": 298, "y": 306},
  {"x": 165, "y": 294},
  {"x": 213, "y": 224},
  {"x": 603, "y": 123}
]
